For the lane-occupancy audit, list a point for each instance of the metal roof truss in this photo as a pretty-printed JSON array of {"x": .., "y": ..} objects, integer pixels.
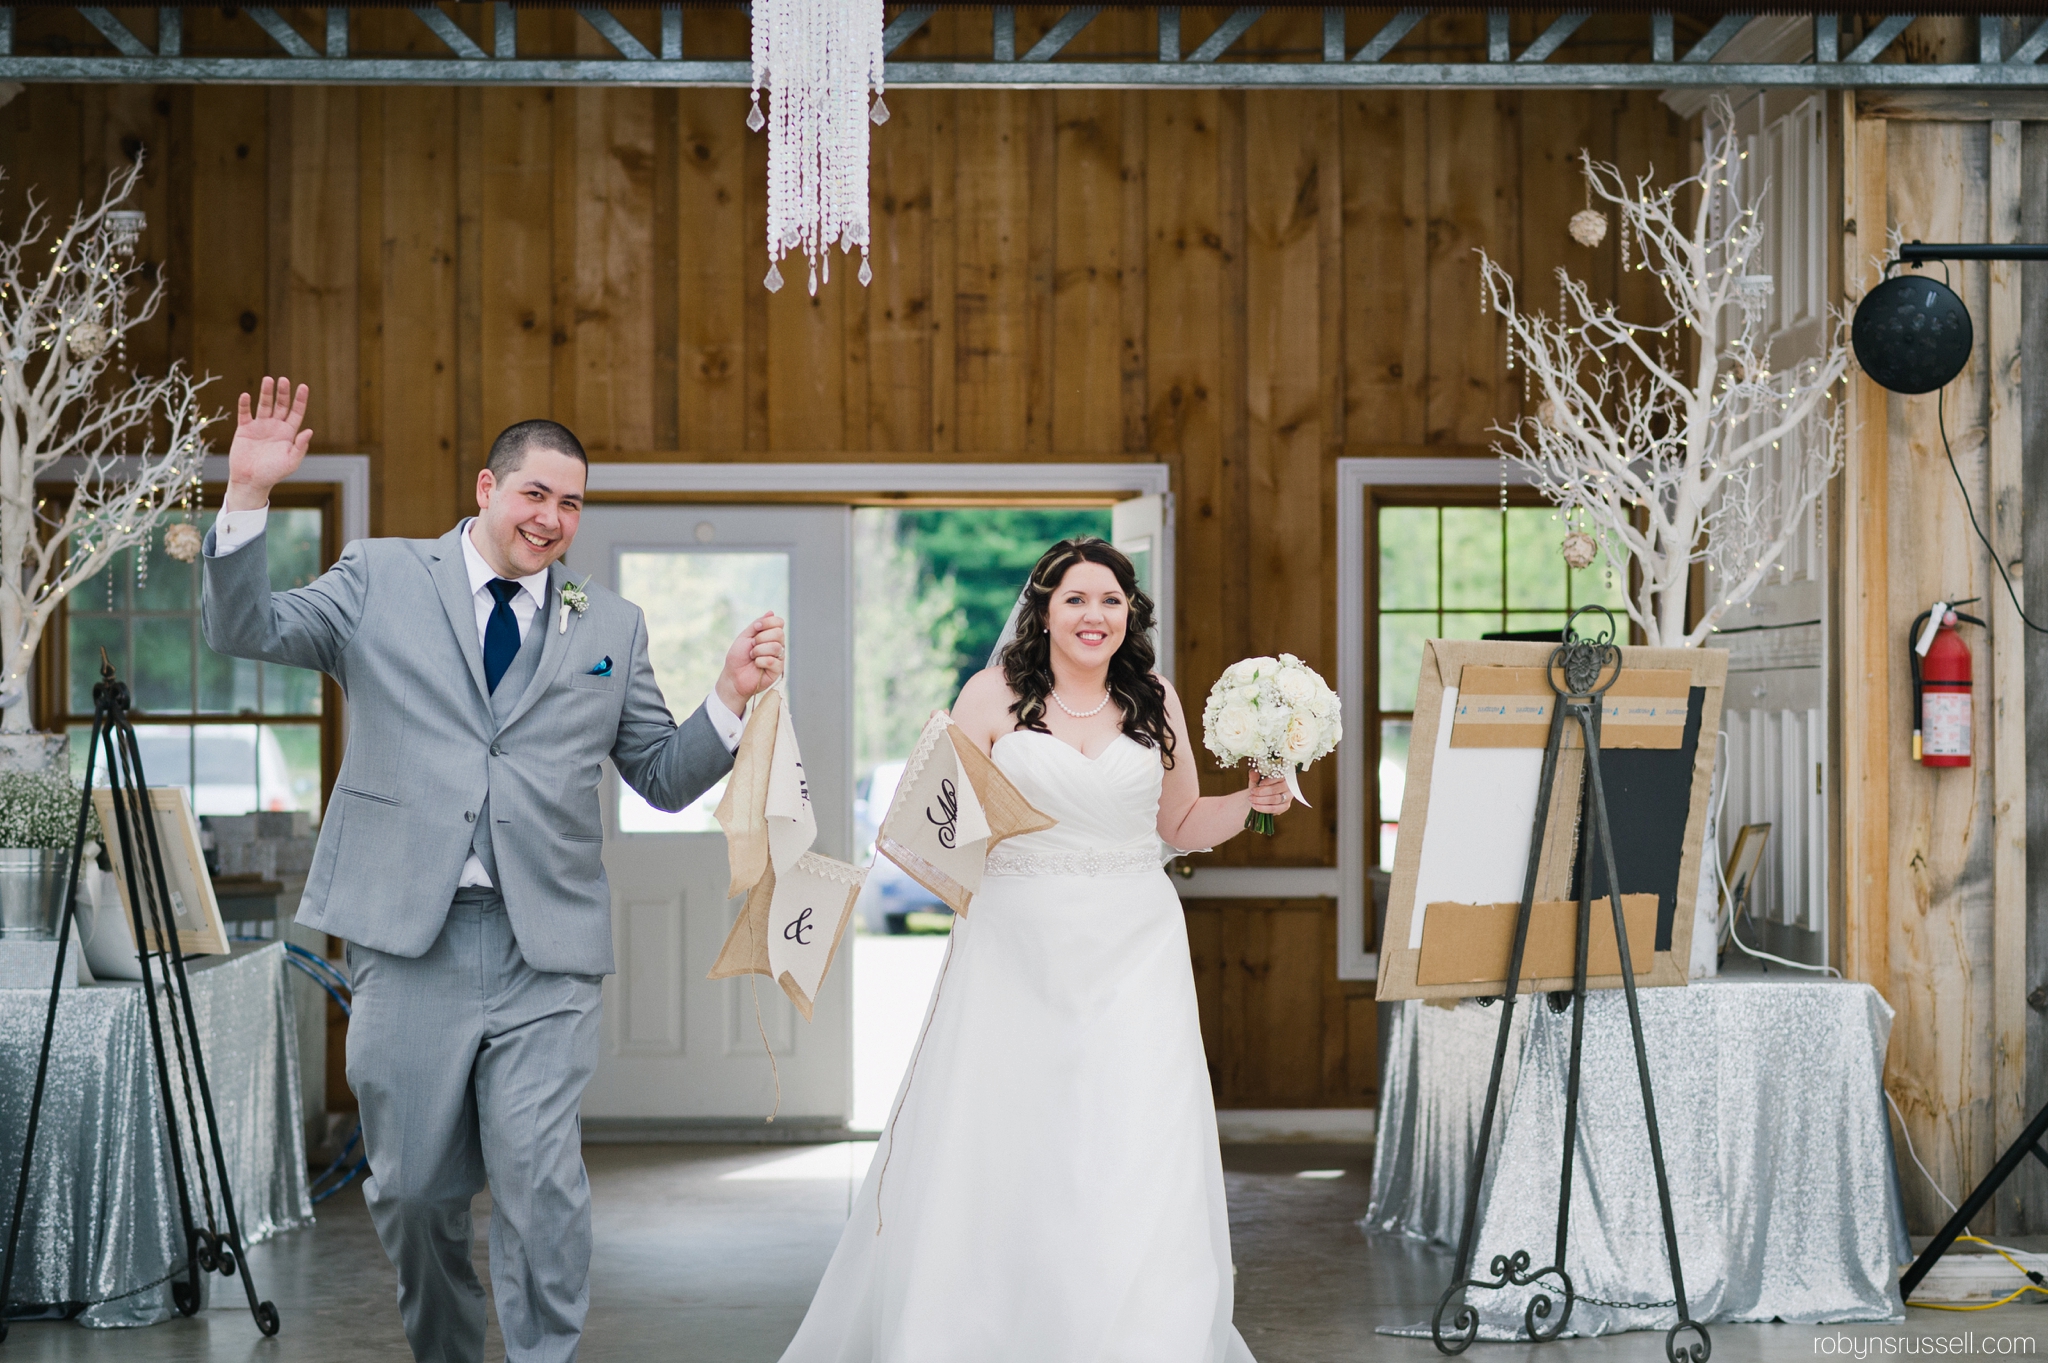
[{"x": 1223, "y": 60}]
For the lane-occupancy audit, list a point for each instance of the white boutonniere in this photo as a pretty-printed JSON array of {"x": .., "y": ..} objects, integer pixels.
[{"x": 574, "y": 598}]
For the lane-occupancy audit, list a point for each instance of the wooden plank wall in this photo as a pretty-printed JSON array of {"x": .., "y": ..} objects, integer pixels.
[
  {"x": 1936, "y": 858},
  {"x": 1243, "y": 286}
]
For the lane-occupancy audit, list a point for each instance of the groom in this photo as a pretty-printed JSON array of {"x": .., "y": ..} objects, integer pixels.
[{"x": 460, "y": 852}]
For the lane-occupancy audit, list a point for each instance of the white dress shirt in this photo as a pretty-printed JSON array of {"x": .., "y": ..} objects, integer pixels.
[{"x": 233, "y": 529}]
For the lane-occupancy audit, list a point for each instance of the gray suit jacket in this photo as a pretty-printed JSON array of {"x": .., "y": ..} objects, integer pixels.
[{"x": 394, "y": 623}]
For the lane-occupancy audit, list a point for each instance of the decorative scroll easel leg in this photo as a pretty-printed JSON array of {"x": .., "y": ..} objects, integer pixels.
[
  {"x": 1673, "y": 1350},
  {"x": 230, "y": 1253},
  {"x": 185, "y": 1294},
  {"x": 1506, "y": 1269},
  {"x": 1539, "y": 1307},
  {"x": 35, "y": 1102}
]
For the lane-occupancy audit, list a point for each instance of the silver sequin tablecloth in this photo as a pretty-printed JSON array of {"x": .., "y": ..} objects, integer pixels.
[
  {"x": 1783, "y": 1182},
  {"x": 101, "y": 1225}
]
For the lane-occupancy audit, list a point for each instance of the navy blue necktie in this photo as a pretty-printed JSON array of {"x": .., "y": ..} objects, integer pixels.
[{"x": 501, "y": 634}]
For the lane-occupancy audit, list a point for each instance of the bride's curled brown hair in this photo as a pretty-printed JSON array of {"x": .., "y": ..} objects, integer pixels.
[{"x": 1027, "y": 658}]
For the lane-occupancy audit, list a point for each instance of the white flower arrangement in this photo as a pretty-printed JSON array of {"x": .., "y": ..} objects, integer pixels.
[
  {"x": 1274, "y": 714},
  {"x": 40, "y": 809}
]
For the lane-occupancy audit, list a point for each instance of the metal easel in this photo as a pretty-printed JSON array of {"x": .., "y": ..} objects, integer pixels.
[
  {"x": 1580, "y": 671},
  {"x": 208, "y": 1247}
]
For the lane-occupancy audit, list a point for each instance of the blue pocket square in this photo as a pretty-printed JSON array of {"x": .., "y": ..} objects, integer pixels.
[{"x": 603, "y": 669}]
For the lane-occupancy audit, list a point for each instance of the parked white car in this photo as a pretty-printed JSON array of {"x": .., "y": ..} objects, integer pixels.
[
  {"x": 229, "y": 768},
  {"x": 889, "y": 895}
]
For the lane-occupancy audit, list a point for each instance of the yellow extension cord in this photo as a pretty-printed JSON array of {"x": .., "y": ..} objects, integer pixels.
[{"x": 2014, "y": 1296}]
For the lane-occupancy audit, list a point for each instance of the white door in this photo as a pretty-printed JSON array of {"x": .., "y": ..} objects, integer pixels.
[
  {"x": 1143, "y": 528},
  {"x": 677, "y": 1045}
]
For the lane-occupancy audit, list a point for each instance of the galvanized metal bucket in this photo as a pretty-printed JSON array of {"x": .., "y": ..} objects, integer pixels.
[{"x": 32, "y": 885}]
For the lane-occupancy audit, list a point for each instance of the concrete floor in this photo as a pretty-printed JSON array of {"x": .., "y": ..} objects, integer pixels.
[{"x": 694, "y": 1265}]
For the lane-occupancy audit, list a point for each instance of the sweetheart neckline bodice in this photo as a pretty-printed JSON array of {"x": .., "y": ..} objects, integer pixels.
[
  {"x": 1040, "y": 733},
  {"x": 1105, "y": 803}
]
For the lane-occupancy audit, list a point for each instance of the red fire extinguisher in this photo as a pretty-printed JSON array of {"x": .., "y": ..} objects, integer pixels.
[{"x": 1940, "y": 662}]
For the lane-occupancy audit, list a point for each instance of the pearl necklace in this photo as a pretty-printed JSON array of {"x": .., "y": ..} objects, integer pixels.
[{"x": 1080, "y": 714}]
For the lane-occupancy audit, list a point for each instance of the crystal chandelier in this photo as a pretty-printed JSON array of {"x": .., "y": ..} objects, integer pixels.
[{"x": 817, "y": 59}]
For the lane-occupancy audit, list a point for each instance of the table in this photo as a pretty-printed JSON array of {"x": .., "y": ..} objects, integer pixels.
[
  {"x": 1784, "y": 1185},
  {"x": 101, "y": 1226}
]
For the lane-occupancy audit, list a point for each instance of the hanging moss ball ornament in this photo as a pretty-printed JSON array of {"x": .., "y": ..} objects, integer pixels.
[
  {"x": 1578, "y": 549},
  {"x": 1589, "y": 227},
  {"x": 87, "y": 339},
  {"x": 181, "y": 542}
]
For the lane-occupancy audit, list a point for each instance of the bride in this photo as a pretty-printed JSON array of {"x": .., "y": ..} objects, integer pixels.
[{"x": 1049, "y": 1189}]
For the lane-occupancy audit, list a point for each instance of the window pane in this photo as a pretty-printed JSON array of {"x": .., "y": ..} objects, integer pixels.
[
  {"x": 290, "y": 691},
  {"x": 1407, "y": 557},
  {"x": 1472, "y": 546},
  {"x": 1393, "y": 774},
  {"x": 162, "y": 678},
  {"x": 292, "y": 538},
  {"x": 695, "y": 601},
  {"x": 166, "y": 752},
  {"x": 288, "y": 767},
  {"x": 1468, "y": 625},
  {"x": 227, "y": 686},
  {"x": 1545, "y": 620},
  {"x": 1401, "y": 639},
  {"x": 167, "y": 585},
  {"x": 105, "y": 590},
  {"x": 1536, "y": 568},
  {"x": 89, "y": 634},
  {"x": 1589, "y": 587}
]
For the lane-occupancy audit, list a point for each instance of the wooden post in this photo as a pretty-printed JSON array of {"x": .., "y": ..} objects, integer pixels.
[
  {"x": 2034, "y": 483},
  {"x": 2008, "y": 669},
  {"x": 1867, "y": 743}
]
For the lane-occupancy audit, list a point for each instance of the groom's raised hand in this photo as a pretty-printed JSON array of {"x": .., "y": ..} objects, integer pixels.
[
  {"x": 752, "y": 663},
  {"x": 268, "y": 445}
]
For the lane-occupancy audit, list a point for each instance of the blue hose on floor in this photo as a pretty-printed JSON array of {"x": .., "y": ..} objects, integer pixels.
[{"x": 331, "y": 978}]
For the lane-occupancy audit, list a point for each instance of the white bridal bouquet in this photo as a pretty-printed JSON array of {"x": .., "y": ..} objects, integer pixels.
[{"x": 1275, "y": 714}]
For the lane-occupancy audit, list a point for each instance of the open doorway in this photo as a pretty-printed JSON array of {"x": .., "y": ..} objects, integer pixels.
[{"x": 933, "y": 588}]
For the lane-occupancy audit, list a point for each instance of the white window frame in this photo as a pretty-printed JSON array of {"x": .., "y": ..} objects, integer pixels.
[{"x": 1355, "y": 477}]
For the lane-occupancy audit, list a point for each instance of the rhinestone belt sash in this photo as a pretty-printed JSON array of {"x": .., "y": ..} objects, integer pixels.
[{"x": 1132, "y": 861}]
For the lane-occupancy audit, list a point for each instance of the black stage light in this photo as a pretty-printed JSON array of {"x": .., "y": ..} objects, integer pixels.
[{"x": 1912, "y": 334}]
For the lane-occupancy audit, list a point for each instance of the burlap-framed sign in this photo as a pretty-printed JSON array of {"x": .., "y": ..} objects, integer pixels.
[{"x": 1482, "y": 717}]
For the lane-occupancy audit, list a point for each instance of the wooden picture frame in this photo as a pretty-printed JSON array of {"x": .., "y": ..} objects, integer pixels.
[
  {"x": 1744, "y": 860},
  {"x": 1483, "y": 799},
  {"x": 201, "y": 930}
]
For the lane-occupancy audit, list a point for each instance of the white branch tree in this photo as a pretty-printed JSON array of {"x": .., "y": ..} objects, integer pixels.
[
  {"x": 67, "y": 393},
  {"x": 1676, "y": 442}
]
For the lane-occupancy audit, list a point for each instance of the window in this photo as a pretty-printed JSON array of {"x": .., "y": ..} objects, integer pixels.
[
  {"x": 240, "y": 736},
  {"x": 1458, "y": 570}
]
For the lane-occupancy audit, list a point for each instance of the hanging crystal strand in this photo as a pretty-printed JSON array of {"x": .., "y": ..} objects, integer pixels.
[
  {"x": 818, "y": 61},
  {"x": 142, "y": 565},
  {"x": 1503, "y": 486}
]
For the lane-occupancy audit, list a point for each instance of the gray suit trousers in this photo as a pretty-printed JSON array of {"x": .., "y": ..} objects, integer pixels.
[{"x": 469, "y": 1066}]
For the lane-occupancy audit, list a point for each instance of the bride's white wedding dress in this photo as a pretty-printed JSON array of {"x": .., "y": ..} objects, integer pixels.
[{"x": 1053, "y": 1191}]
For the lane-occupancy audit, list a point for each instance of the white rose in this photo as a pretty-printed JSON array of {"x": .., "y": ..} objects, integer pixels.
[
  {"x": 1296, "y": 688},
  {"x": 1304, "y": 736},
  {"x": 1233, "y": 734},
  {"x": 1245, "y": 695}
]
